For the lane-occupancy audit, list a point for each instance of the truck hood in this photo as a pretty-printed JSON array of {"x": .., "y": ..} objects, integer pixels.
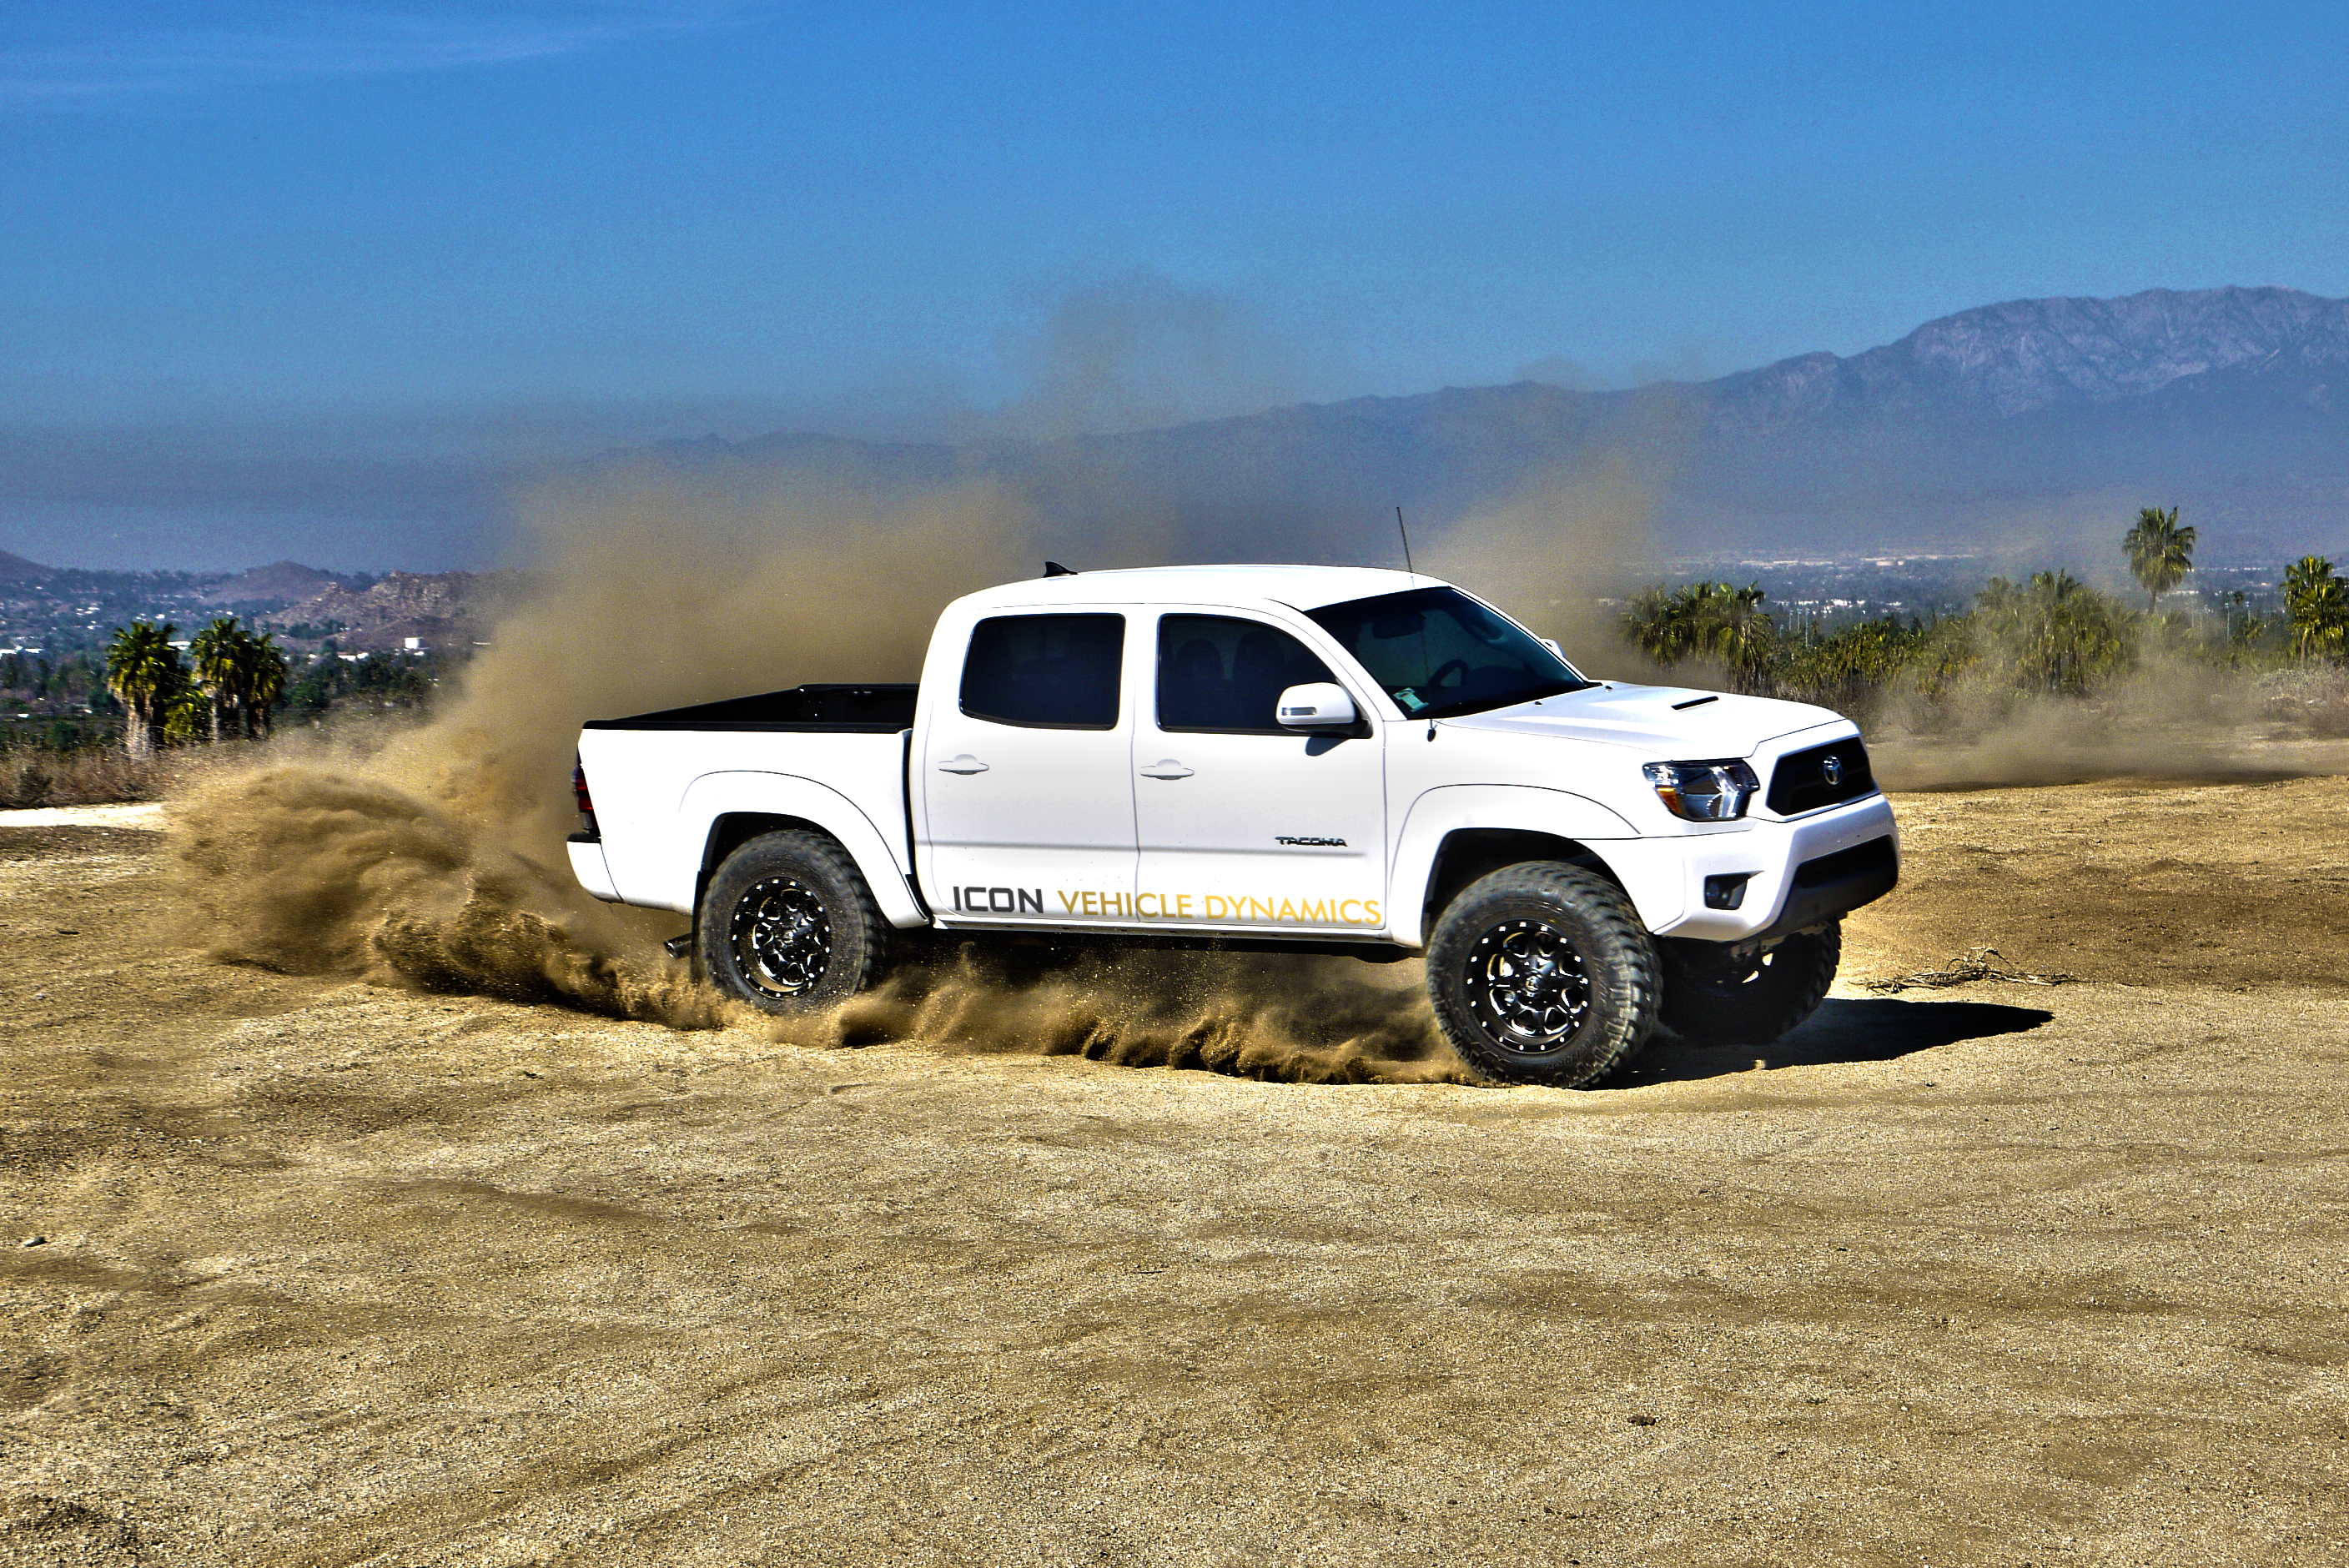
[{"x": 1644, "y": 719}]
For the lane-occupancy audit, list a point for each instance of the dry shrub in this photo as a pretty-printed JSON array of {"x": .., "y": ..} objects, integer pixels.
[{"x": 88, "y": 775}]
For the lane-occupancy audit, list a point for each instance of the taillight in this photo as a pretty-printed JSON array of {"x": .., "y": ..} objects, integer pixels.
[{"x": 579, "y": 793}]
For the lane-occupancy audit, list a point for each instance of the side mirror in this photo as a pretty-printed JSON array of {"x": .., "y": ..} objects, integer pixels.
[{"x": 1321, "y": 704}]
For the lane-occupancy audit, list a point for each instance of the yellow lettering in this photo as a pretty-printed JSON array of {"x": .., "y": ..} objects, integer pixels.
[
  {"x": 1263, "y": 909},
  {"x": 1315, "y": 913},
  {"x": 1087, "y": 900},
  {"x": 1287, "y": 910},
  {"x": 1183, "y": 905},
  {"x": 1068, "y": 901},
  {"x": 1349, "y": 919},
  {"x": 1147, "y": 913},
  {"x": 1373, "y": 918},
  {"x": 1215, "y": 907}
]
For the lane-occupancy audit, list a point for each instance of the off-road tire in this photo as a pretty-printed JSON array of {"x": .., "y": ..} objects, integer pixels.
[
  {"x": 1708, "y": 1002},
  {"x": 1511, "y": 1018},
  {"x": 788, "y": 923}
]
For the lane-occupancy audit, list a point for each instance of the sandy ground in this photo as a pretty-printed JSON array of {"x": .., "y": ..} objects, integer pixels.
[{"x": 303, "y": 1272}]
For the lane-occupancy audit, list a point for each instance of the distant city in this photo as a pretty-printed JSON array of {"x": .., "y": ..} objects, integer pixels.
[
  {"x": 1833, "y": 593},
  {"x": 58, "y": 612}
]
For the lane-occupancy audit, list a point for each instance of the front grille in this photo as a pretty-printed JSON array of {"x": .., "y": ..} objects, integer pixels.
[{"x": 1799, "y": 782}]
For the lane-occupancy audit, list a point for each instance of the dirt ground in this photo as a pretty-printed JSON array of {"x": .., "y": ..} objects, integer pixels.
[{"x": 300, "y": 1271}]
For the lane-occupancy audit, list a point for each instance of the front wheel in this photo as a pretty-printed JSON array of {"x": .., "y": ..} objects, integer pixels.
[
  {"x": 788, "y": 924},
  {"x": 1542, "y": 973},
  {"x": 1713, "y": 999}
]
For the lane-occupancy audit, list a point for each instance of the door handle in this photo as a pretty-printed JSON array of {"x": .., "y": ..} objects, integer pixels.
[
  {"x": 1166, "y": 767},
  {"x": 966, "y": 763}
]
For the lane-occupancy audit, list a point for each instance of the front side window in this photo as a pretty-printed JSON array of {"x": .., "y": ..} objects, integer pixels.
[
  {"x": 1221, "y": 673},
  {"x": 1438, "y": 652},
  {"x": 1046, "y": 672}
]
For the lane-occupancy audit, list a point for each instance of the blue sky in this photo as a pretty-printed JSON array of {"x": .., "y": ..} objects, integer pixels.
[{"x": 537, "y": 227}]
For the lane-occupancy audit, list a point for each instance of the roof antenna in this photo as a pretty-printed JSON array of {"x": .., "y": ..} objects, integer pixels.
[
  {"x": 1406, "y": 542},
  {"x": 1054, "y": 568}
]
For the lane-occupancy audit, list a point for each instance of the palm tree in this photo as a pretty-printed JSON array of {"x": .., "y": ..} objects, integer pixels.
[
  {"x": 264, "y": 685},
  {"x": 221, "y": 664},
  {"x": 2161, "y": 554},
  {"x": 1705, "y": 620},
  {"x": 142, "y": 671},
  {"x": 187, "y": 719},
  {"x": 2317, "y": 602},
  {"x": 2054, "y": 633}
]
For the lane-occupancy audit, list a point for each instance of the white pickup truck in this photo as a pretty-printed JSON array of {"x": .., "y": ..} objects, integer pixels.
[{"x": 1309, "y": 758}]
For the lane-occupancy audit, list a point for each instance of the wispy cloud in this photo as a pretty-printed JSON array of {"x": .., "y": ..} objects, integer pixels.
[{"x": 84, "y": 56}]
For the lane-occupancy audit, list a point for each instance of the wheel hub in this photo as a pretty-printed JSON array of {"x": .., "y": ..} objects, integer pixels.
[
  {"x": 1529, "y": 985},
  {"x": 780, "y": 937}
]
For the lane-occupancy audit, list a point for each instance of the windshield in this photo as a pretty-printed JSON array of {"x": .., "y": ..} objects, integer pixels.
[{"x": 1439, "y": 652}]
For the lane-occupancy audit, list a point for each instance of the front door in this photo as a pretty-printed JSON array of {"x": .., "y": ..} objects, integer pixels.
[
  {"x": 1243, "y": 825},
  {"x": 1024, "y": 781}
]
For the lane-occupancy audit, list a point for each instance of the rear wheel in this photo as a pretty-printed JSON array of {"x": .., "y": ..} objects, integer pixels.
[
  {"x": 1711, "y": 998},
  {"x": 788, "y": 923},
  {"x": 1541, "y": 973}
]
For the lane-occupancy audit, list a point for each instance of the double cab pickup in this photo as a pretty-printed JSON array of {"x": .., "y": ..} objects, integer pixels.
[{"x": 1300, "y": 759}]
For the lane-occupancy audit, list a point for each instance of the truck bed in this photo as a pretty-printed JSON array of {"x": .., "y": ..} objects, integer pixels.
[{"x": 844, "y": 709}]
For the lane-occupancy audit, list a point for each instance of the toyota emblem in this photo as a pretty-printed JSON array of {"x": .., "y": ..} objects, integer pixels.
[{"x": 1832, "y": 766}]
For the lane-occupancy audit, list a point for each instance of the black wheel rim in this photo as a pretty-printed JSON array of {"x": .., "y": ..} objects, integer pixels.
[
  {"x": 781, "y": 937},
  {"x": 1528, "y": 987}
]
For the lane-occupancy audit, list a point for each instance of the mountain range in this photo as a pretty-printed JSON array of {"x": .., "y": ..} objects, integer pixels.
[
  {"x": 2031, "y": 425},
  {"x": 2036, "y": 429}
]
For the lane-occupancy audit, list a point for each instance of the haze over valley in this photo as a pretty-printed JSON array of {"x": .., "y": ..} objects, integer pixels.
[{"x": 2033, "y": 425}]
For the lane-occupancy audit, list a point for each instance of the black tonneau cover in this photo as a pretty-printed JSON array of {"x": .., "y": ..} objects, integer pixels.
[{"x": 838, "y": 709}]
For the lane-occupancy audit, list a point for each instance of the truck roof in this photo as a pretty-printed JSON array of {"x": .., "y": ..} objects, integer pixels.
[{"x": 1238, "y": 585}]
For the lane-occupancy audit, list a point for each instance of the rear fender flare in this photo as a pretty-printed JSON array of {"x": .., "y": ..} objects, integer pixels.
[{"x": 803, "y": 802}]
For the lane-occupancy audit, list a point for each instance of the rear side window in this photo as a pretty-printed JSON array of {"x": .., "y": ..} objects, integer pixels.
[
  {"x": 1221, "y": 673},
  {"x": 1048, "y": 672}
]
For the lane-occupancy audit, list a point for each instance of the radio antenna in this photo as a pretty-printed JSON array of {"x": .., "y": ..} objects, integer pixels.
[{"x": 1406, "y": 543}]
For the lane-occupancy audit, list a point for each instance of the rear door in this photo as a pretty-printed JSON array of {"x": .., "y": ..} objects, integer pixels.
[
  {"x": 1024, "y": 779},
  {"x": 1241, "y": 823}
]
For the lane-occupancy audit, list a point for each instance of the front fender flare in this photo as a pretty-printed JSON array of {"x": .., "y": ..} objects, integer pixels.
[{"x": 1438, "y": 813}]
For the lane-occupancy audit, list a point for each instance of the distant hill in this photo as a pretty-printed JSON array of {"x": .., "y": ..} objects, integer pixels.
[
  {"x": 17, "y": 569},
  {"x": 2027, "y": 423},
  {"x": 441, "y": 608},
  {"x": 278, "y": 583}
]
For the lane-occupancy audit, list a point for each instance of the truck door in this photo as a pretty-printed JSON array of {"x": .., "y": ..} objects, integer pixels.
[
  {"x": 1024, "y": 781},
  {"x": 1243, "y": 824}
]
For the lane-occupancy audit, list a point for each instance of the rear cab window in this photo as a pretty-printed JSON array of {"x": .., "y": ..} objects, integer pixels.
[{"x": 1045, "y": 672}]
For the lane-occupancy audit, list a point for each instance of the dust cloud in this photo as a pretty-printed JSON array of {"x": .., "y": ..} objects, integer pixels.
[
  {"x": 1260, "y": 1016},
  {"x": 1553, "y": 555},
  {"x": 432, "y": 859},
  {"x": 2170, "y": 718},
  {"x": 1134, "y": 351},
  {"x": 316, "y": 870}
]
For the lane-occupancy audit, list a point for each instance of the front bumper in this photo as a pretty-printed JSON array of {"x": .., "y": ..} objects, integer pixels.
[{"x": 1787, "y": 886}]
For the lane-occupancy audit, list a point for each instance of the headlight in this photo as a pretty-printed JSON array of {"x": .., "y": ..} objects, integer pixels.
[{"x": 1704, "y": 791}]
